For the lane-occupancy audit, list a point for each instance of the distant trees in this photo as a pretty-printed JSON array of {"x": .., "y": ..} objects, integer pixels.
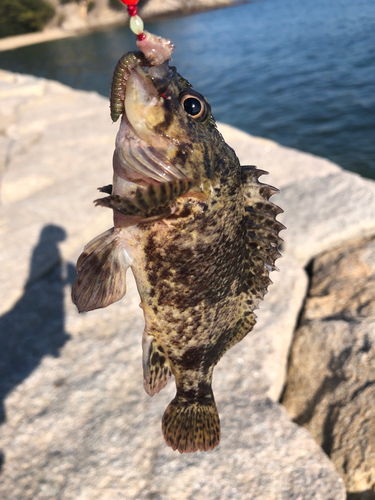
[
  {"x": 24, "y": 16},
  {"x": 115, "y": 4}
]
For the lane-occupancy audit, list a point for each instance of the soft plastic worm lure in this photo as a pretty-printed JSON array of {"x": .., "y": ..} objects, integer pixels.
[
  {"x": 122, "y": 71},
  {"x": 126, "y": 64}
]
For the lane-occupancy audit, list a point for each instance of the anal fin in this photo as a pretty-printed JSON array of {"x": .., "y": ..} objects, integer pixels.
[
  {"x": 156, "y": 366},
  {"x": 101, "y": 272}
]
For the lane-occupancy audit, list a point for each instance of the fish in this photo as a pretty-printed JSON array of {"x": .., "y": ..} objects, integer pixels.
[{"x": 197, "y": 229}]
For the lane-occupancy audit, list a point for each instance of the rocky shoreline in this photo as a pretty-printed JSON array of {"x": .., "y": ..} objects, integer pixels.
[
  {"x": 76, "y": 422},
  {"x": 332, "y": 394},
  {"x": 73, "y": 19}
]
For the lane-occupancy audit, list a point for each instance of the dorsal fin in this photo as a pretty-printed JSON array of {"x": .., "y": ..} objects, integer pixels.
[{"x": 262, "y": 237}]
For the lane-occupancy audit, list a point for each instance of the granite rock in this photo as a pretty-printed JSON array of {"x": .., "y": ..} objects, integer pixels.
[
  {"x": 331, "y": 380},
  {"x": 324, "y": 212},
  {"x": 343, "y": 283},
  {"x": 267, "y": 349},
  {"x": 57, "y": 144},
  {"x": 80, "y": 426},
  {"x": 71, "y": 385},
  {"x": 286, "y": 166}
]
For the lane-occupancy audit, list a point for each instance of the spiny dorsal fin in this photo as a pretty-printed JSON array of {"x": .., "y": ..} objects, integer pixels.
[
  {"x": 156, "y": 366},
  {"x": 101, "y": 270},
  {"x": 106, "y": 189},
  {"x": 146, "y": 201},
  {"x": 262, "y": 232}
]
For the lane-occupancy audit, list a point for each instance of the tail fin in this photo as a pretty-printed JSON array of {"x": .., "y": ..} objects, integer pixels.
[
  {"x": 190, "y": 425},
  {"x": 101, "y": 272}
]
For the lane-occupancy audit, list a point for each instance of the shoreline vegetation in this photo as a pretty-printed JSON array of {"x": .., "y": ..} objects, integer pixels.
[{"x": 77, "y": 18}]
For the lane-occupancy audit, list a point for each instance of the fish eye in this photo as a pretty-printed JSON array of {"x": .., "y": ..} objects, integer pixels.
[
  {"x": 192, "y": 106},
  {"x": 195, "y": 105}
]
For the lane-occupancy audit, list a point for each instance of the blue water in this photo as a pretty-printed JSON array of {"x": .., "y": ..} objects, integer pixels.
[{"x": 301, "y": 72}]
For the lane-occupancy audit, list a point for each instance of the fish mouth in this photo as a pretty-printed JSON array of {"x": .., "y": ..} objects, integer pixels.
[{"x": 144, "y": 153}]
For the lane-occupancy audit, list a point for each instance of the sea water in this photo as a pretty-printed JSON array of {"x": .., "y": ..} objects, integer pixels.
[{"x": 300, "y": 72}]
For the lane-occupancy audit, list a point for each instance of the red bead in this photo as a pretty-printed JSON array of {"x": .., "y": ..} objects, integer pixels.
[
  {"x": 132, "y": 10},
  {"x": 130, "y": 2},
  {"x": 141, "y": 36}
]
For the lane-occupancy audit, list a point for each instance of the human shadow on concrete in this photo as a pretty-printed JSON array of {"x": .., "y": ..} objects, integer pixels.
[{"x": 34, "y": 327}]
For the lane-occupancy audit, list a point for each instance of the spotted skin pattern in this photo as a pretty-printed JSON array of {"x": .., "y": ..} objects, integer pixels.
[
  {"x": 201, "y": 257},
  {"x": 201, "y": 273}
]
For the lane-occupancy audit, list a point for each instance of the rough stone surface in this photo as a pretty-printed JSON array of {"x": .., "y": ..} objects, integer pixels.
[
  {"x": 55, "y": 151},
  {"x": 81, "y": 427},
  {"x": 77, "y": 423},
  {"x": 331, "y": 381},
  {"x": 324, "y": 212},
  {"x": 277, "y": 318},
  {"x": 286, "y": 166}
]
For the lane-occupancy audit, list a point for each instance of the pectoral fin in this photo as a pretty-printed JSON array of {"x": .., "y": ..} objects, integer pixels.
[
  {"x": 147, "y": 201},
  {"x": 156, "y": 366},
  {"x": 101, "y": 270}
]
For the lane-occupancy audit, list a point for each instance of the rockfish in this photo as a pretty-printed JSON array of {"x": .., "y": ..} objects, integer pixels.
[{"x": 196, "y": 228}]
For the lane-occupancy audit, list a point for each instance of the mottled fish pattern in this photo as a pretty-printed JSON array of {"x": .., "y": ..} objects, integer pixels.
[{"x": 199, "y": 233}]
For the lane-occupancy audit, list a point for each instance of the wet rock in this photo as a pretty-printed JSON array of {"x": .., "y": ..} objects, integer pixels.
[{"x": 331, "y": 380}]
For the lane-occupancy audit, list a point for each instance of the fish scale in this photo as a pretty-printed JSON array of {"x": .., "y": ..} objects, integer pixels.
[{"x": 199, "y": 233}]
